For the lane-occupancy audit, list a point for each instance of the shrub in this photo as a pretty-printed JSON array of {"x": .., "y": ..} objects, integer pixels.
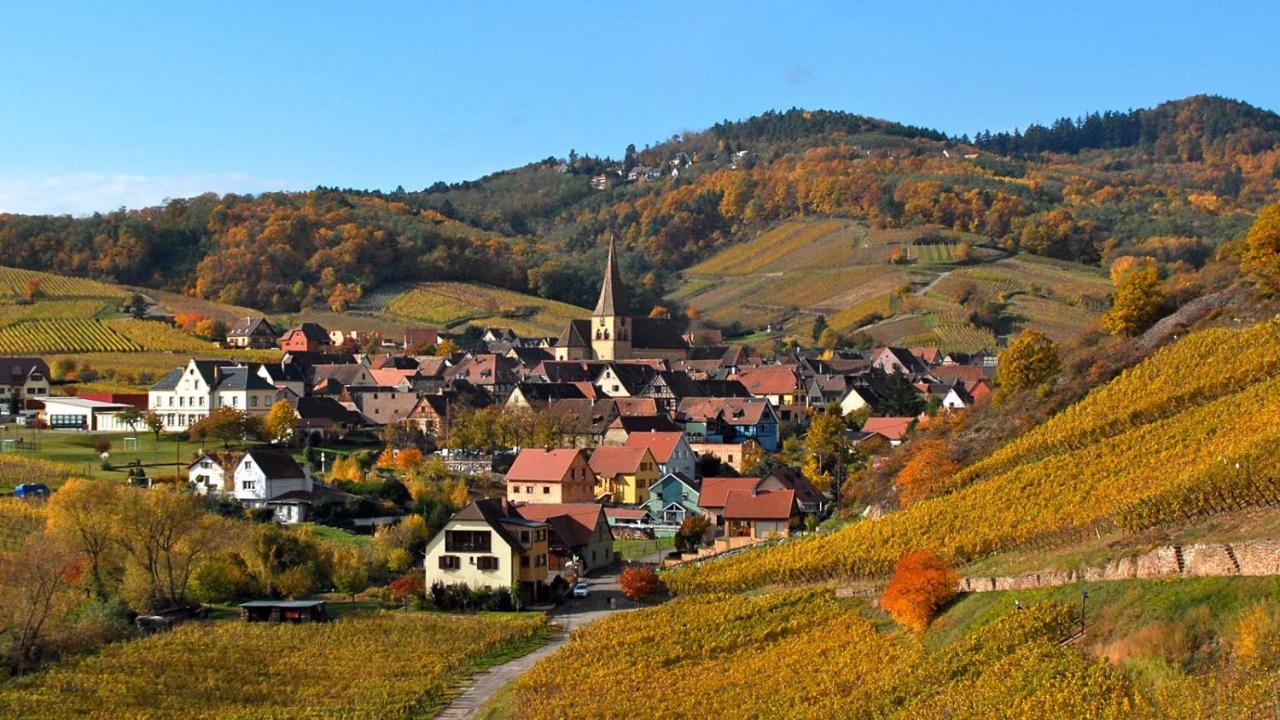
[
  {"x": 638, "y": 581},
  {"x": 921, "y": 585}
]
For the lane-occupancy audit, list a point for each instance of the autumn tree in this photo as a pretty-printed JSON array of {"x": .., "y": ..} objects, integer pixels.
[
  {"x": 278, "y": 425},
  {"x": 81, "y": 514},
  {"x": 164, "y": 532},
  {"x": 1029, "y": 360},
  {"x": 226, "y": 424},
  {"x": 31, "y": 290},
  {"x": 32, "y": 579},
  {"x": 131, "y": 417},
  {"x": 350, "y": 573},
  {"x": 692, "y": 531},
  {"x": 929, "y": 469},
  {"x": 1261, "y": 258},
  {"x": 154, "y": 422},
  {"x": 1137, "y": 300},
  {"x": 825, "y": 447},
  {"x": 638, "y": 581},
  {"x": 921, "y": 585}
]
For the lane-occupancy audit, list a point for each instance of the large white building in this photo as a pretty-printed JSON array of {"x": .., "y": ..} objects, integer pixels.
[{"x": 187, "y": 394}]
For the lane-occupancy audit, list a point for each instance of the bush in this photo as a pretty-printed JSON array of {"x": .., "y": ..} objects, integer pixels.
[
  {"x": 638, "y": 581},
  {"x": 921, "y": 585}
]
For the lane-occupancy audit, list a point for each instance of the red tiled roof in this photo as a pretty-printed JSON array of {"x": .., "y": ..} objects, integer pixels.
[
  {"x": 734, "y": 411},
  {"x": 636, "y": 406},
  {"x": 893, "y": 428},
  {"x": 767, "y": 380},
  {"x": 967, "y": 373},
  {"x": 575, "y": 523},
  {"x": 715, "y": 490},
  {"x": 618, "y": 513},
  {"x": 771, "y": 505},
  {"x": 611, "y": 460},
  {"x": 661, "y": 444},
  {"x": 542, "y": 465}
]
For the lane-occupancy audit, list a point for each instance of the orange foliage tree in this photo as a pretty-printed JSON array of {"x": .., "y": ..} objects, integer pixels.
[
  {"x": 921, "y": 584},
  {"x": 926, "y": 472},
  {"x": 638, "y": 581}
]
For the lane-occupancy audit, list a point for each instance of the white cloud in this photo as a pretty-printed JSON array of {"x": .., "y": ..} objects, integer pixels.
[{"x": 86, "y": 193}]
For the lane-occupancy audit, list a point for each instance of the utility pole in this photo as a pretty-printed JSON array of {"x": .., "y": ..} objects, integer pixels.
[{"x": 1084, "y": 595}]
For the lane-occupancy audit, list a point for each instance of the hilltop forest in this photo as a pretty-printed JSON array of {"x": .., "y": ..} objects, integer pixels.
[{"x": 1171, "y": 183}]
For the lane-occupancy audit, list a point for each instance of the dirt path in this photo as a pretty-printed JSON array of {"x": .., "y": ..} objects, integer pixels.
[{"x": 572, "y": 615}]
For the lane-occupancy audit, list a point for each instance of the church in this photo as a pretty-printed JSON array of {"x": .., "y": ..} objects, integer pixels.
[{"x": 611, "y": 335}]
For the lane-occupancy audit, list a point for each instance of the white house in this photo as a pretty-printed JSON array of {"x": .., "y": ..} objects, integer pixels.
[
  {"x": 81, "y": 414},
  {"x": 211, "y": 473},
  {"x": 187, "y": 394},
  {"x": 858, "y": 398},
  {"x": 269, "y": 477}
]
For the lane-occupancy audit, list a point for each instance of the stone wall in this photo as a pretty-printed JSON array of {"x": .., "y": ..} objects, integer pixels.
[{"x": 1250, "y": 557}]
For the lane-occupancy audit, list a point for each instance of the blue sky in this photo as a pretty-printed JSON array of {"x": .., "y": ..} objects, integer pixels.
[{"x": 111, "y": 104}]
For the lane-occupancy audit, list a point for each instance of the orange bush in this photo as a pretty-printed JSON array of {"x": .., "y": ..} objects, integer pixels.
[
  {"x": 928, "y": 470},
  {"x": 921, "y": 584},
  {"x": 638, "y": 581}
]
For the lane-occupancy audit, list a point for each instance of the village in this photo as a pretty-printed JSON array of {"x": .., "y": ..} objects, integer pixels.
[{"x": 621, "y": 430}]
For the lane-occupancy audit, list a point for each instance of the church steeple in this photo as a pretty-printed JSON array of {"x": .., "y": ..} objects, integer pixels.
[{"x": 612, "y": 298}]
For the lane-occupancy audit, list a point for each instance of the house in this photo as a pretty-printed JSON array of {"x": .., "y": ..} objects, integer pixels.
[
  {"x": 551, "y": 476},
  {"x": 64, "y": 413},
  {"x": 433, "y": 414},
  {"x": 252, "y": 332},
  {"x": 538, "y": 395},
  {"x": 809, "y": 500},
  {"x": 859, "y": 398},
  {"x": 623, "y": 379},
  {"x": 622, "y": 427},
  {"x": 580, "y": 534},
  {"x": 732, "y": 454},
  {"x": 893, "y": 429},
  {"x": 21, "y": 379},
  {"x": 673, "y": 498},
  {"x": 212, "y": 472},
  {"x": 670, "y": 449},
  {"x": 187, "y": 394},
  {"x": 417, "y": 338},
  {"x": 775, "y": 383},
  {"x": 824, "y": 390},
  {"x": 731, "y": 420},
  {"x": 269, "y": 477},
  {"x": 715, "y": 493},
  {"x": 623, "y": 474},
  {"x": 760, "y": 514},
  {"x": 325, "y": 417},
  {"x": 927, "y": 356},
  {"x": 890, "y": 360},
  {"x": 487, "y": 544},
  {"x": 308, "y": 337},
  {"x": 495, "y": 374},
  {"x": 382, "y": 405}
]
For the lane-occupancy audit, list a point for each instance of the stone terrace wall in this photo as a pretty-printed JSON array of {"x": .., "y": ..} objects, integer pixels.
[{"x": 1251, "y": 557}]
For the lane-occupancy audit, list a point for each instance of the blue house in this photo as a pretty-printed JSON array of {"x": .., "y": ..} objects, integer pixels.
[
  {"x": 672, "y": 498},
  {"x": 731, "y": 420}
]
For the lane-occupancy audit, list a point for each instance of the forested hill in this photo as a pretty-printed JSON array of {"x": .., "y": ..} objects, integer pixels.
[{"x": 1171, "y": 182}]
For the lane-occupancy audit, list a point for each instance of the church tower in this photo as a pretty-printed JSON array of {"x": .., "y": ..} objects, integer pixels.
[{"x": 610, "y": 329}]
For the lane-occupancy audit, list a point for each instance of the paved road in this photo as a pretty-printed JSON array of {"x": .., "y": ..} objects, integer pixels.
[{"x": 571, "y": 615}]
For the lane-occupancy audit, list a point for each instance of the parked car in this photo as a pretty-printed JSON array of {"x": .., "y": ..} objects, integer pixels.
[
  {"x": 28, "y": 491},
  {"x": 581, "y": 589}
]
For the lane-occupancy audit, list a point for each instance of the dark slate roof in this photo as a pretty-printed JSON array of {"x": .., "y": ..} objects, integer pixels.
[
  {"x": 575, "y": 334},
  {"x": 16, "y": 370},
  {"x": 541, "y": 393},
  {"x": 170, "y": 381},
  {"x": 240, "y": 378},
  {"x": 312, "y": 409},
  {"x": 282, "y": 372},
  {"x": 494, "y": 512},
  {"x": 633, "y": 377},
  {"x": 275, "y": 464},
  {"x": 656, "y": 333},
  {"x": 247, "y": 326},
  {"x": 613, "y": 299},
  {"x": 313, "y": 332}
]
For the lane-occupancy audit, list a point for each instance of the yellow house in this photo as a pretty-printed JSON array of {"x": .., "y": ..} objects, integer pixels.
[{"x": 624, "y": 474}]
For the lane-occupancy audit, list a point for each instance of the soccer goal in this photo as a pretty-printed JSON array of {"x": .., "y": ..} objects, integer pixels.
[{"x": 130, "y": 443}]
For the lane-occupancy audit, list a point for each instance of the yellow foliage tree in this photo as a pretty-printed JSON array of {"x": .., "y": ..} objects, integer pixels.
[
  {"x": 1138, "y": 299},
  {"x": 1261, "y": 259},
  {"x": 927, "y": 471}
]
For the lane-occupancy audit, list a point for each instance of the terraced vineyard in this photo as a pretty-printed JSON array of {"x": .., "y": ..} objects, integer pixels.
[
  {"x": 1150, "y": 447},
  {"x": 155, "y": 335},
  {"x": 56, "y": 286},
  {"x": 450, "y": 305},
  {"x": 841, "y": 269},
  {"x": 51, "y": 336}
]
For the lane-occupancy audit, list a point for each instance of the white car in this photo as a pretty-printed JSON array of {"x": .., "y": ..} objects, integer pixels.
[{"x": 581, "y": 589}]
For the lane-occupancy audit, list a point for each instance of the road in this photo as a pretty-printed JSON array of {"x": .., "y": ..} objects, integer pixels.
[{"x": 573, "y": 614}]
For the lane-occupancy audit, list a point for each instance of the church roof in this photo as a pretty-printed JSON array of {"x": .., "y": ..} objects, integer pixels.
[{"x": 612, "y": 300}]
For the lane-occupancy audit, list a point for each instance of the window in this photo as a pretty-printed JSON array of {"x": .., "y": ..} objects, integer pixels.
[
  {"x": 487, "y": 562},
  {"x": 249, "y": 485},
  {"x": 467, "y": 541},
  {"x": 541, "y": 561},
  {"x": 546, "y": 489},
  {"x": 449, "y": 562},
  {"x": 524, "y": 537},
  {"x": 524, "y": 561},
  {"x": 253, "y": 401},
  {"x": 515, "y": 489},
  {"x": 528, "y": 489}
]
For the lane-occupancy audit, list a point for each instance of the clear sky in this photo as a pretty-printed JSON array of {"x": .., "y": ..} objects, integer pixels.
[{"x": 104, "y": 104}]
